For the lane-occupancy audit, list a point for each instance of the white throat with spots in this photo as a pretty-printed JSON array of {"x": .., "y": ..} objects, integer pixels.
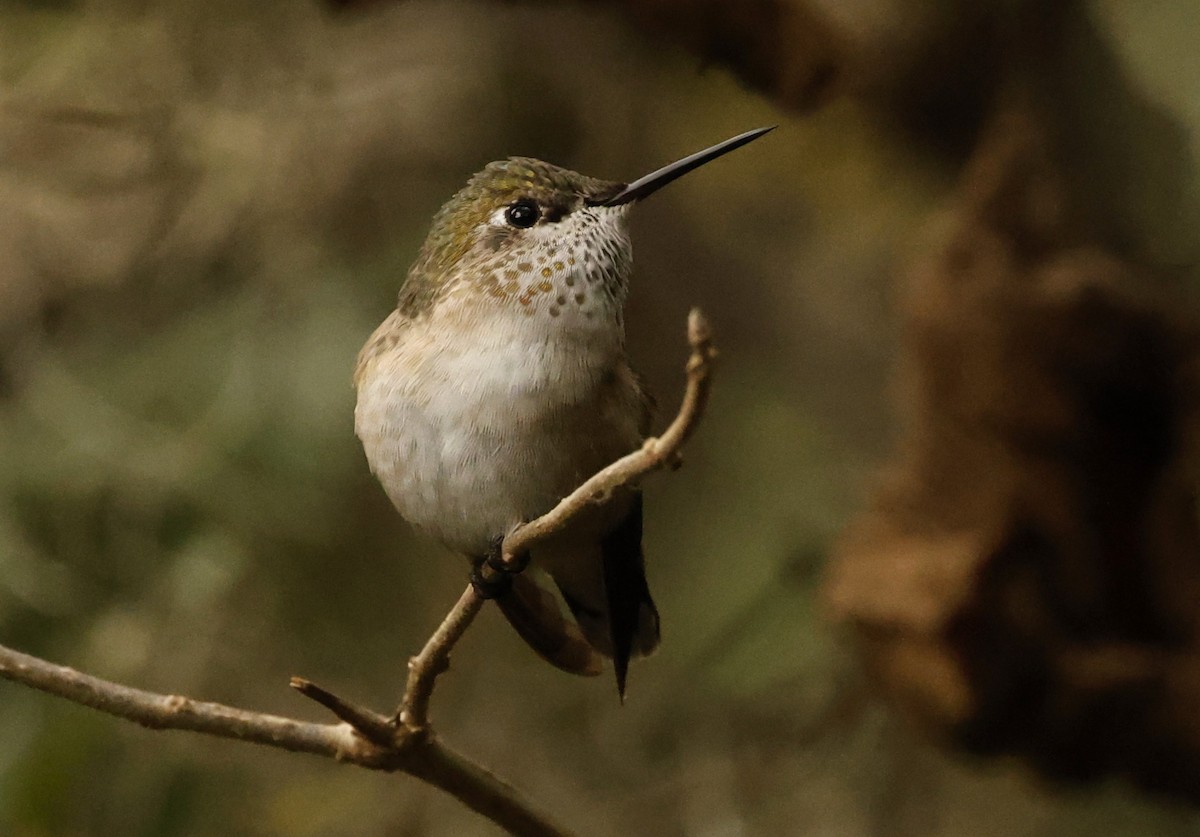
[{"x": 572, "y": 273}]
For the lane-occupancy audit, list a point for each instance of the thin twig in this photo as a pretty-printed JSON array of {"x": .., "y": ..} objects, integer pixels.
[
  {"x": 655, "y": 453},
  {"x": 404, "y": 743},
  {"x": 371, "y": 725},
  {"x": 158, "y": 711},
  {"x": 422, "y": 756},
  {"x": 434, "y": 658}
]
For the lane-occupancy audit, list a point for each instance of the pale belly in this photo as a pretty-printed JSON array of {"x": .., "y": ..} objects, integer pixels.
[{"x": 471, "y": 445}]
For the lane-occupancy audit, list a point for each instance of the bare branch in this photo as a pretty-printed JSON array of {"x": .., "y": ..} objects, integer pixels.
[
  {"x": 405, "y": 743},
  {"x": 423, "y": 756},
  {"x": 175, "y": 712},
  {"x": 434, "y": 658},
  {"x": 371, "y": 725}
]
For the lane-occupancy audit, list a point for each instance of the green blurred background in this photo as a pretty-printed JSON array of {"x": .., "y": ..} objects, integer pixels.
[{"x": 205, "y": 209}]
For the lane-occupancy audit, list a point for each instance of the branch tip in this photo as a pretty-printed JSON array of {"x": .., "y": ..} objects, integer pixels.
[
  {"x": 370, "y": 725},
  {"x": 698, "y": 329}
]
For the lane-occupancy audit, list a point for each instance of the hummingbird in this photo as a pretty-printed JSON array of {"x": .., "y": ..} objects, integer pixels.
[{"x": 501, "y": 382}]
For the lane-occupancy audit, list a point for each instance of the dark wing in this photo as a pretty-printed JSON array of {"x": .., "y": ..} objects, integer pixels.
[
  {"x": 649, "y": 406},
  {"x": 632, "y": 616}
]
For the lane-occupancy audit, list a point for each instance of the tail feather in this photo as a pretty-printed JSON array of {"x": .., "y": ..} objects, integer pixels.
[
  {"x": 603, "y": 583},
  {"x": 535, "y": 615}
]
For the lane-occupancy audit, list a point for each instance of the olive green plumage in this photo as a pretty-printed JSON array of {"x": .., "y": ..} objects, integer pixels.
[{"x": 458, "y": 224}]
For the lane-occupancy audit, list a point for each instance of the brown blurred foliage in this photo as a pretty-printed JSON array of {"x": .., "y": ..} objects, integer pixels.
[{"x": 1026, "y": 581}]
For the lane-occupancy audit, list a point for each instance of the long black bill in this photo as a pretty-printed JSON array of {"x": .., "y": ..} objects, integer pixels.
[{"x": 644, "y": 186}]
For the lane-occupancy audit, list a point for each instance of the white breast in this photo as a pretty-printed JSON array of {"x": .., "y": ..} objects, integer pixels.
[{"x": 478, "y": 419}]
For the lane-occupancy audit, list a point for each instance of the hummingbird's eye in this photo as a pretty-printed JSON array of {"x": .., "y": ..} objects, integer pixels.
[{"x": 523, "y": 214}]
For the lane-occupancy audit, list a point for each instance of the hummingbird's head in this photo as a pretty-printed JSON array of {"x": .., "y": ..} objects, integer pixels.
[
  {"x": 520, "y": 232},
  {"x": 533, "y": 237}
]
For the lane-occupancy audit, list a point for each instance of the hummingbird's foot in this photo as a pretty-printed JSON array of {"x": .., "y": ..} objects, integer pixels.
[
  {"x": 499, "y": 581},
  {"x": 495, "y": 559},
  {"x": 489, "y": 587}
]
